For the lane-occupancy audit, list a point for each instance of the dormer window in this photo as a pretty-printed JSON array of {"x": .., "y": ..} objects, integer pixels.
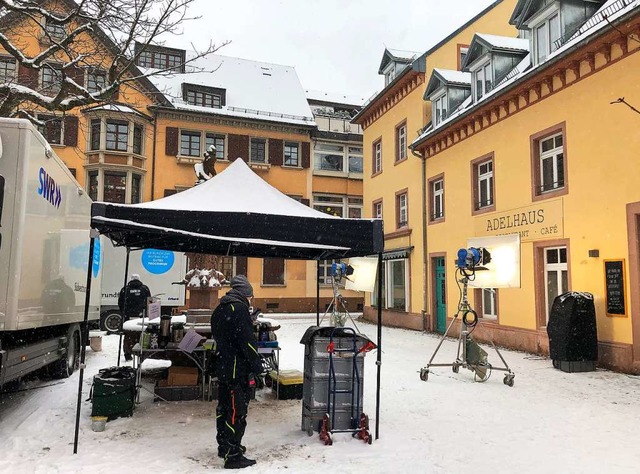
[
  {"x": 55, "y": 31},
  {"x": 203, "y": 96},
  {"x": 546, "y": 30},
  {"x": 482, "y": 80},
  {"x": 159, "y": 57},
  {"x": 439, "y": 109}
]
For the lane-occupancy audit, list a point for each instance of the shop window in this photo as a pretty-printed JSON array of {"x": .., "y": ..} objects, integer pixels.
[
  {"x": 486, "y": 303},
  {"x": 114, "y": 186},
  {"x": 556, "y": 277},
  {"x": 337, "y": 205},
  {"x": 273, "y": 271},
  {"x": 395, "y": 290}
]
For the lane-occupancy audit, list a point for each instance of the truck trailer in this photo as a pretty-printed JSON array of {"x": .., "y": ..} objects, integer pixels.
[{"x": 44, "y": 247}]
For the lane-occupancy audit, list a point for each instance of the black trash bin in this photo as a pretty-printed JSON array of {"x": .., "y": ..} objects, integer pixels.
[{"x": 573, "y": 334}]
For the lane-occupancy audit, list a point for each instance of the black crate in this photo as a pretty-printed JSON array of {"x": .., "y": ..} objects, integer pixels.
[
  {"x": 575, "y": 365},
  {"x": 174, "y": 393},
  {"x": 287, "y": 392}
]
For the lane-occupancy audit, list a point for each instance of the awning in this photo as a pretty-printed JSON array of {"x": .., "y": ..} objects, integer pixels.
[{"x": 397, "y": 253}]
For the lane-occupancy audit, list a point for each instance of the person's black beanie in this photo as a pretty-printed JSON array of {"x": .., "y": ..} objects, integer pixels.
[{"x": 242, "y": 285}]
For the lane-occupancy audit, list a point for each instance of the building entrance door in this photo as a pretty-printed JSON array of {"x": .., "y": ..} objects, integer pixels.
[{"x": 441, "y": 299}]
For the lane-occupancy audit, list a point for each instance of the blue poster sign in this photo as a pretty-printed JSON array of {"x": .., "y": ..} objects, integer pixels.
[
  {"x": 96, "y": 258},
  {"x": 157, "y": 261}
]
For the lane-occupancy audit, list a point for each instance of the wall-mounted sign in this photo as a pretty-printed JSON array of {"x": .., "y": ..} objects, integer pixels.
[
  {"x": 614, "y": 288},
  {"x": 537, "y": 222}
]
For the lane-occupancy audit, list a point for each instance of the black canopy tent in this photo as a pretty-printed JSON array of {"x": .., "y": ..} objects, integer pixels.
[{"x": 236, "y": 213}]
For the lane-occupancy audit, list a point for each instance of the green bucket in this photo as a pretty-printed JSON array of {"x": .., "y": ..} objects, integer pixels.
[{"x": 113, "y": 392}]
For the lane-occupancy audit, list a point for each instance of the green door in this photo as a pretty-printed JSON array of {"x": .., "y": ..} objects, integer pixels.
[{"x": 441, "y": 300}]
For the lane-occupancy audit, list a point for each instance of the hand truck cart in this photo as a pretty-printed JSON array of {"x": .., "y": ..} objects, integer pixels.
[{"x": 345, "y": 388}]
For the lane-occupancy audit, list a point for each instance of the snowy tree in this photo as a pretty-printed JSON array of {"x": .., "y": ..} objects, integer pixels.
[{"x": 51, "y": 46}]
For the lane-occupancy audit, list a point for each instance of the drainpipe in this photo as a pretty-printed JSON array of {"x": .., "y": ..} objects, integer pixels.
[
  {"x": 153, "y": 156},
  {"x": 425, "y": 277}
]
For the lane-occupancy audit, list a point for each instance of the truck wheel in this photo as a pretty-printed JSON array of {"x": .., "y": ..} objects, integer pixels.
[
  {"x": 110, "y": 321},
  {"x": 65, "y": 366}
]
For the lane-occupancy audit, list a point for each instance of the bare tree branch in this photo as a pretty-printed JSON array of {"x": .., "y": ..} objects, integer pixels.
[{"x": 86, "y": 35}]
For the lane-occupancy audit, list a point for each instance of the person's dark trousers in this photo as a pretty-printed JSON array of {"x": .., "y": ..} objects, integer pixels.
[{"x": 231, "y": 417}]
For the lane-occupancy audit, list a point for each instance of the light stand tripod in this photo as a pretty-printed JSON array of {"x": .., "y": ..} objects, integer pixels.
[
  {"x": 337, "y": 307},
  {"x": 473, "y": 357}
]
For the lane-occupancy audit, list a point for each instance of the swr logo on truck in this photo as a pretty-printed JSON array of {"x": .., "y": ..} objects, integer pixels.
[{"x": 49, "y": 189}]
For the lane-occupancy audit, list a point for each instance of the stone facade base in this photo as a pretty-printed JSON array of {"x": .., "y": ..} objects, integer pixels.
[
  {"x": 611, "y": 355},
  {"x": 294, "y": 305}
]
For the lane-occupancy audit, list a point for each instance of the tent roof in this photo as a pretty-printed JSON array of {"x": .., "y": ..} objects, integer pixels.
[{"x": 237, "y": 213}]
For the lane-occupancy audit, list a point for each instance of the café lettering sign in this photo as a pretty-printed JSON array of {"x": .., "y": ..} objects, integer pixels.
[{"x": 538, "y": 222}]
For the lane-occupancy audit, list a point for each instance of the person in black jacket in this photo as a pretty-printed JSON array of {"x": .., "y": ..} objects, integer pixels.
[
  {"x": 237, "y": 363},
  {"x": 133, "y": 298}
]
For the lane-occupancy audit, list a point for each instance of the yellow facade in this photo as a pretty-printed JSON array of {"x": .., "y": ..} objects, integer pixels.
[
  {"x": 380, "y": 119},
  {"x": 595, "y": 214}
]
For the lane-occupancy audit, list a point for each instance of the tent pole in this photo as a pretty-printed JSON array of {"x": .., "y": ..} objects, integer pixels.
[
  {"x": 379, "y": 351},
  {"x": 93, "y": 234},
  {"x": 317, "y": 292},
  {"x": 124, "y": 307}
]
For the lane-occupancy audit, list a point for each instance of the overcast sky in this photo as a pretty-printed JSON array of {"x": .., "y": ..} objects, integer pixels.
[{"x": 335, "y": 45}]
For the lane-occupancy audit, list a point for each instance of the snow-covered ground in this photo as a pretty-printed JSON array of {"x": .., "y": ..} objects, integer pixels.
[{"x": 550, "y": 421}]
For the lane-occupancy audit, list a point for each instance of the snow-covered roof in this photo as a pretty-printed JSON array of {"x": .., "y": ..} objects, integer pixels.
[
  {"x": 611, "y": 11},
  {"x": 505, "y": 42},
  {"x": 124, "y": 109},
  {"x": 253, "y": 89},
  {"x": 454, "y": 77},
  {"x": 334, "y": 97},
  {"x": 403, "y": 54},
  {"x": 396, "y": 55}
]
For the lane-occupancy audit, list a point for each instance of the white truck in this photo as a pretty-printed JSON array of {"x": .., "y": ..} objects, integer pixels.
[
  {"x": 158, "y": 269},
  {"x": 44, "y": 248}
]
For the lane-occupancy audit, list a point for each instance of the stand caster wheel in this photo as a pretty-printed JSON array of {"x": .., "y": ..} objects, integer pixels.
[
  {"x": 455, "y": 368},
  {"x": 424, "y": 374},
  {"x": 508, "y": 380}
]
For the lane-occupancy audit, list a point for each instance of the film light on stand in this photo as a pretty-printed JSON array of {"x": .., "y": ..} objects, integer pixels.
[{"x": 503, "y": 270}]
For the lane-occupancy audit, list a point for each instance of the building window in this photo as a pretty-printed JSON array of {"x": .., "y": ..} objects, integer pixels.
[
  {"x": 482, "y": 81},
  {"x": 273, "y": 271},
  {"x": 336, "y": 205},
  {"x": 51, "y": 129},
  {"x": 115, "y": 187},
  {"x": 96, "y": 81},
  {"x": 402, "y": 209},
  {"x": 377, "y": 157},
  {"x": 437, "y": 198},
  {"x": 545, "y": 35},
  {"x": 489, "y": 303},
  {"x": 54, "y": 31},
  {"x": 324, "y": 272},
  {"x": 96, "y": 132},
  {"x": 556, "y": 277},
  {"x": 355, "y": 159},
  {"x": 483, "y": 183},
  {"x": 401, "y": 142},
  {"x": 135, "y": 188},
  {"x": 51, "y": 80},
  {"x": 117, "y": 136},
  {"x": 291, "y": 154},
  {"x": 218, "y": 142},
  {"x": 204, "y": 99},
  {"x": 377, "y": 209},
  {"x": 258, "y": 150},
  {"x": 137, "y": 139},
  {"x": 329, "y": 157},
  {"x": 395, "y": 291},
  {"x": 93, "y": 185},
  {"x": 226, "y": 265},
  {"x": 7, "y": 70},
  {"x": 160, "y": 60},
  {"x": 549, "y": 163},
  {"x": 462, "y": 55},
  {"x": 190, "y": 143},
  {"x": 440, "y": 109}
]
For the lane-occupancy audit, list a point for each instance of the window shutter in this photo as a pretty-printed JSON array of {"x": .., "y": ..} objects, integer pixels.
[
  {"x": 71, "y": 130},
  {"x": 28, "y": 77},
  {"x": 306, "y": 202},
  {"x": 276, "y": 152},
  {"x": 171, "y": 141},
  {"x": 77, "y": 74},
  {"x": 273, "y": 271},
  {"x": 241, "y": 265},
  {"x": 306, "y": 155},
  {"x": 169, "y": 192},
  {"x": 238, "y": 147}
]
